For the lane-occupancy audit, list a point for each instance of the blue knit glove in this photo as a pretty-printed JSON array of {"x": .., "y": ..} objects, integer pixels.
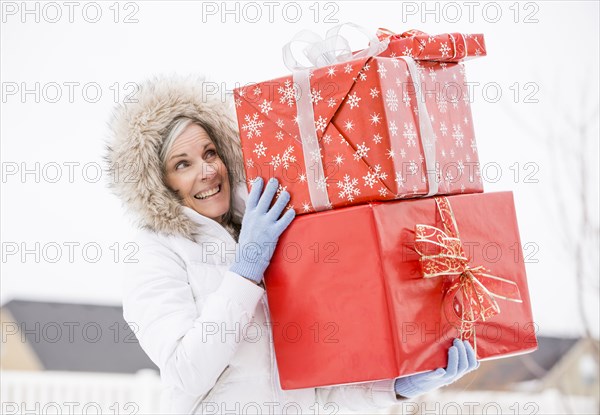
[
  {"x": 261, "y": 228},
  {"x": 461, "y": 360}
]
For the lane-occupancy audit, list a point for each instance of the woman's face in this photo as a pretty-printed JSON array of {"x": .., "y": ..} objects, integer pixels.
[{"x": 197, "y": 174}]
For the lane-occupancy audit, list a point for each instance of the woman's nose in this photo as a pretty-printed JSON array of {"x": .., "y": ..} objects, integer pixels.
[{"x": 207, "y": 171}]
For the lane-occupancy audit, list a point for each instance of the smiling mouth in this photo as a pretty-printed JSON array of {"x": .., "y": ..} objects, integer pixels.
[{"x": 208, "y": 193}]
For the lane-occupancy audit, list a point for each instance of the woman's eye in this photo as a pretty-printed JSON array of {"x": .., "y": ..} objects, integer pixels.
[
  {"x": 210, "y": 154},
  {"x": 180, "y": 165}
]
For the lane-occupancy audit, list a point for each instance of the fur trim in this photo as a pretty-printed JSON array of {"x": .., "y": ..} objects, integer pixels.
[{"x": 138, "y": 129}]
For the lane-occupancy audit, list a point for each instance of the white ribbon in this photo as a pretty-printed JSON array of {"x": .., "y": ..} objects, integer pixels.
[
  {"x": 425, "y": 128},
  {"x": 333, "y": 49}
]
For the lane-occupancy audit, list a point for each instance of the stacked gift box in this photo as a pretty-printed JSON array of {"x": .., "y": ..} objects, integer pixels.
[{"x": 397, "y": 251}]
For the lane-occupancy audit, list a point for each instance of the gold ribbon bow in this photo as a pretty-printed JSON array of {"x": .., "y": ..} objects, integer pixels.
[{"x": 471, "y": 296}]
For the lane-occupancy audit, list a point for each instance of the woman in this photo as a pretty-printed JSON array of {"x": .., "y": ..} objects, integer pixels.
[{"x": 175, "y": 161}]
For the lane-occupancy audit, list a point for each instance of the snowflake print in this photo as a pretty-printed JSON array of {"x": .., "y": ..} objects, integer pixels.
[
  {"x": 444, "y": 49},
  {"x": 315, "y": 96},
  {"x": 260, "y": 149},
  {"x": 410, "y": 134},
  {"x": 370, "y": 179},
  {"x": 279, "y": 123},
  {"x": 331, "y": 103},
  {"x": 390, "y": 153},
  {"x": 406, "y": 99},
  {"x": 257, "y": 90},
  {"x": 339, "y": 160},
  {"x": 395, "y": 62},
  {"x": 315, "y": 155},
  {"x": 362, "y": 76},
  {"x": 383, "y": 192},
  {"x": 238, "y": 102},
  {"x": 321, "y": 124},
  {"x": 349, "y": 125},
  {"x": 454, "y": 101},
  {"x": 252, "y": 126},
  {"x": 353, "y": 100},
  {"x": 331, "y": 71},
  {"x": 349, "y": 189},
  {"x": 265, "y": 107},
  {"x": 458, "y": 135},
  {"x": 473, "y": 146},
  {"x": 375, "y": 118},
  {"x": 391, "y": 99},
  {"x": 327, "y": 139},
  {"x": 250, "y": 163},
  {"x": 399, "y": 179},
  {"x": 374, "y": 92},
  {"x": 302, "y": 178},
  {"x": 412, "y": 167},
  {"x": 306, "y": 207},
  {"x": 288, "y": 93},
  {"x": 432, "y": 74},
  {"x": 374, "y": 175},
  {"x": 381, "y": 70},
  {"x": 284, "y": 159},
  {"x": 348, "y": 68},
  {"x": 281, "y": 189},
  {"x": 442, "y": 104},
  {"x": 449, "y": 179},
  {"x": 402, "y": 153},
  {"x": 343, "y": 141},
  {"x": 443, "y": 128},
  {"x": 322, "y": 184},
  {"x": 408, "y": 52},
  {"x": 393, "y": 128},
  {"x": 361, "y": 151},
  {"x": 460, "y": 167},
  {"x": 279, "y": 136},
  {"x": 377, "y": 138}
]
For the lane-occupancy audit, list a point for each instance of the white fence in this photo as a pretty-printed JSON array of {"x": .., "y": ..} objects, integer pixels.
[{"x": 53, "y": 392}]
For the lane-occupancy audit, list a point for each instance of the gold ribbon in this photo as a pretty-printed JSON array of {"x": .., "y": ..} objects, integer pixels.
[{"x": 471, "y": 296}]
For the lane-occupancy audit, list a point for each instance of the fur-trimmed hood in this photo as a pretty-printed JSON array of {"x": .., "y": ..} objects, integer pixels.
[{"x": 137, "y": 132}]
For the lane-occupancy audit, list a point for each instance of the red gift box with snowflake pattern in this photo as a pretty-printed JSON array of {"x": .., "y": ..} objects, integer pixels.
[{"x": 387, "y": 128}]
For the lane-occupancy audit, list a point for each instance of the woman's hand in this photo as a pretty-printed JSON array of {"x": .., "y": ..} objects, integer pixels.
[
  {"x": 461, "y": 360},
  {"x": 261, "y": 228}
]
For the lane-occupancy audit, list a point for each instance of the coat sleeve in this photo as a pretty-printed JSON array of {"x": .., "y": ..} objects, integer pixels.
[
  {"x": 185, "y": 341},
  {"x": 360, "y": 397}
]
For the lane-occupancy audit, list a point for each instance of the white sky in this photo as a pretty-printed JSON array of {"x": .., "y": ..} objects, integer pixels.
[{"x": 558, "y": 55}]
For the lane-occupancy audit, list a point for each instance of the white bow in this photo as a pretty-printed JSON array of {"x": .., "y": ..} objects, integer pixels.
[{"x": 332, "y": 49}]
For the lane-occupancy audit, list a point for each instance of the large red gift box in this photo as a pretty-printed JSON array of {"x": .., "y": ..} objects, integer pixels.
[
  {"x": 350, "y": 303},
  {"x": 380, "y": 135}
]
